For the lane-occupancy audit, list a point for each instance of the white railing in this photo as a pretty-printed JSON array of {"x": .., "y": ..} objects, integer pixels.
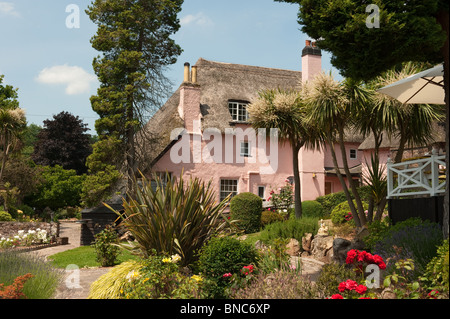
[{"x": 424, "y": 176}]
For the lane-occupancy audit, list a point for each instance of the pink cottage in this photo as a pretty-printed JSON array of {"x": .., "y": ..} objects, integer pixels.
[{"x": 203, "y": 131}]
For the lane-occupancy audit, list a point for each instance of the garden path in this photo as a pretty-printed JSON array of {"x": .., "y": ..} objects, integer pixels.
[{"x": 76, "y": 284}]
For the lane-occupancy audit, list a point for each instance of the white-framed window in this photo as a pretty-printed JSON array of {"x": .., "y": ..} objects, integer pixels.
[
  {"x": 245, "y": 149},
  {"x": 227, "y": 187},
  {"x": 353, "y": 154},
  {"x": 261, "y": 191},
  {"x": 238, "y": 111}
]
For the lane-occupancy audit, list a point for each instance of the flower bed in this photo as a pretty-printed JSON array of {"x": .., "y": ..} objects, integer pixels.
[{"x": 14, "y": 235}]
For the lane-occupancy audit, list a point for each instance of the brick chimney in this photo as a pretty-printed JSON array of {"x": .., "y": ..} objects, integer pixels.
[
  {"x": 311, "y": 61},
  {"x": 189, "y": 107}
]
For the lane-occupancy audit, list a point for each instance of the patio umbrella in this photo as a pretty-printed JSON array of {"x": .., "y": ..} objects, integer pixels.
[{"x": 426, "y": 87}]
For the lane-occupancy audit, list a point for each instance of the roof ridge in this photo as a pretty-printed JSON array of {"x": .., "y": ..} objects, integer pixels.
[{"x": 202, "y": 61}]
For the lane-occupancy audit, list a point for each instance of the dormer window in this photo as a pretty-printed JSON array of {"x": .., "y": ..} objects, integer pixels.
[{"x": 238, "y": 111}]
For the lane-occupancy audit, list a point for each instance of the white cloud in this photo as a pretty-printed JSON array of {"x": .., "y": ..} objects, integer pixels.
[
  {"x": 199, "y": 19},
  {"x": 78, "y": 81},
  {"x": 7, "y": 8}
]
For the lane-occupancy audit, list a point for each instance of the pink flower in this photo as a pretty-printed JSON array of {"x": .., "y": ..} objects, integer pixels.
[{"x": 228, "y": 274}]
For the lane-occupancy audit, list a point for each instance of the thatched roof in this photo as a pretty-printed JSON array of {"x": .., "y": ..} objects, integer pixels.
[
  {"x": 438, "y": 136},
  {"x": 219, "y": 83}
]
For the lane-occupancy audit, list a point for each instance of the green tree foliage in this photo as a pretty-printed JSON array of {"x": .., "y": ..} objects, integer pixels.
[
  {"x": 408, "y": 31},
  {"x": 60, "y": 188},
  {"x": 63, "y": 141},
  {"x": 12, "y": 123},
  {"x": 134, "y": 38}
]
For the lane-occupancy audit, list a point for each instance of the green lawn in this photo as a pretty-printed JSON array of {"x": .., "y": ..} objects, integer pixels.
[{"x": 83, "y": 257}]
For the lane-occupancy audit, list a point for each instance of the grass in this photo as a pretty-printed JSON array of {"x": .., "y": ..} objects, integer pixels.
[{"x": 84, "y": 257}]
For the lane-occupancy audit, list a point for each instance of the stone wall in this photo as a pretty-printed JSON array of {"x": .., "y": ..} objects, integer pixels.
[{"x": 8, "y": 229}]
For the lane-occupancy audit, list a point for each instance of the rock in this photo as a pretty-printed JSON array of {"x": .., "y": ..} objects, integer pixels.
[
  {"x": 260, "y": 246},
  {"x": 388, "y": 294},
  {"x": 342, "y": 246},
  {"x": 293, "y": 247},
  {"x": 306, "y": 242},
  {"x": 322, "y": 247}
]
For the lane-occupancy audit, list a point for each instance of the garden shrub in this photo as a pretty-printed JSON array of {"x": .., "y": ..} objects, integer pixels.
[
  {"x": 332, "y": 200},
  {"x": 222, "y": 255},
  {"x": 5, "y": 217},
  {"x": 278, "y": 285},
  {"x": 436, "y": 272},
  {"x": 105, "y": 246},
  {"x": 15, "y": 291},
  {"x": 246, "y": 208},
  {"x": 312, "y": 208},
  {"x": 341, "y": 213},
  {"x": 411, "y": 239},
  {"x": 111, "y": 284},
  {"x": 331, "y": 275},
  {"x": 292, "y": 228},
  {"x": 377, "y": 231},
  {"x": 269, "y": 217},
  {"x": 161, "y": 278}
]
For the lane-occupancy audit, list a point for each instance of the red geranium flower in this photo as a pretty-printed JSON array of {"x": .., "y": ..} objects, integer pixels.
[{"x": 337, "y": 296}]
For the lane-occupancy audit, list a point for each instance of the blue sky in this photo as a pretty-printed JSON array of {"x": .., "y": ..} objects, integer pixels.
[{"x": 51, "y": 64}]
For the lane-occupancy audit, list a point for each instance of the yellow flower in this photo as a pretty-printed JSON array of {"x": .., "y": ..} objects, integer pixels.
[
  {"x": 166, "y": 260},
  {"x": 197, "y": 278},
  {"x": 145, "y": 280}
]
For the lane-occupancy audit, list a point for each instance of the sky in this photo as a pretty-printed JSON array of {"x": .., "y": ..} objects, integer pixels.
[{"x": 45, "y": 51}]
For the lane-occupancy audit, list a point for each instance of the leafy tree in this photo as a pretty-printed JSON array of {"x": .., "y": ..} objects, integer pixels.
[
  {"x": 12, "y": 122},
  {"x": 409, "y": 31},
  {"x": 134, "y": 37},
  {"x": 60, "y": 188},
  {"x": 63, "y": 141},
  {"x": 286, "y": 111},
  {"x": 29, "y": 138}
]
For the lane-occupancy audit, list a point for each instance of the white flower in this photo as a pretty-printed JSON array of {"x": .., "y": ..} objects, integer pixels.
[{"x": 175, "y": 258}]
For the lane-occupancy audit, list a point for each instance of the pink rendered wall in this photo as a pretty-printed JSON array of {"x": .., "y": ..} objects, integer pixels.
[
  {"x": 312, "y": 176},
  {"x": 248, "y": 172},
  {"x": 311, "y": 65},
  {"x": 328, "y": 162},
  {"x": 383, "y": 155}
]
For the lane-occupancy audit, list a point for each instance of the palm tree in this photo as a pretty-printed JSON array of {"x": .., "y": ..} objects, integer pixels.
[
  {"x": 12, "y": 122},
  {"x": 285, "y": 110},
  {"x": 331, "y": 105},
  {"x": 410, "y": 123}
]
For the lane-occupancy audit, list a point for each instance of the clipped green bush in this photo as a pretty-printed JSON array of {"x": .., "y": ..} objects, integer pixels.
[
  {"x": 340, "y": 214},
  {"x": 269, "y": 217},
  {"x": 5, "y": 217},
  {"x": 223, "y": 255},
  {"x": 246, "y": 209},
  {"x": 292, "y": 228},
  {"x": 312, "y": 208}
]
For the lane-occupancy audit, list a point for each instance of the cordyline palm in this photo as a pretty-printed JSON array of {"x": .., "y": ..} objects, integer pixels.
[
  {"x": 12, "y": 123},
  {"x": 410, "y": 123},
  {"x": 330, "y": 106},
  {"x": 285, "y": 111}
]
